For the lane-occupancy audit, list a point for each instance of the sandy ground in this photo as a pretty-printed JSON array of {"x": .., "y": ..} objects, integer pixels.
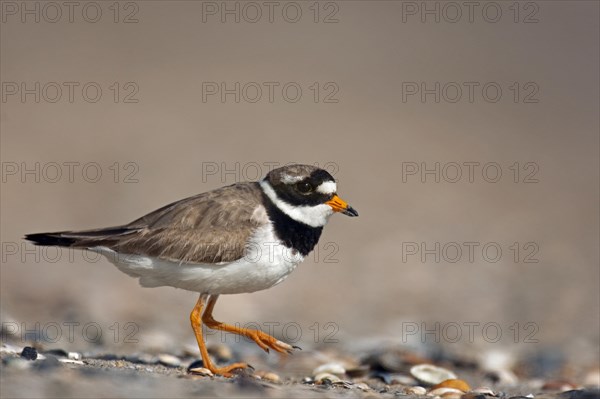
[{"x": 313, "y": 373}]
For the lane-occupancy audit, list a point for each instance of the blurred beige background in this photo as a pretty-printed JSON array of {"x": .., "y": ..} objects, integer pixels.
[{"x": 370, "y": 56}]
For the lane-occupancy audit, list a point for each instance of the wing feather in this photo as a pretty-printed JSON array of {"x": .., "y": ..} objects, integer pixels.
[{"x": 211, "y": 227}]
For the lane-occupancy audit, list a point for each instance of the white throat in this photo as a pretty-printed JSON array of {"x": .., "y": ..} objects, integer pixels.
[{"x": 314, "y": 216}]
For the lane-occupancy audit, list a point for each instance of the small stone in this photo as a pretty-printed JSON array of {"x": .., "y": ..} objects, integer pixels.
[
  {"x": 221, "y": 353},
  {"x": 147, "y": 358},
  {"x": 195, "y": 364},
  {"x": 169, "y": 360},
  {"x": 558, "y": 385},
  {"x": 580, "y": 394},
  {"x": 445, "y": 390},
  {"x": 17, "y": 363},
  {"x": 343, "y": 384},
  {"x": 357, "y": 372},
  {"x": 71, "y": 361},
  {"x": 268, "y": 376},
  {"x": 11, "y": 349},
  {"x": 74, "y": 355},
  {"x": 401, "y": 379},
  {"x": 308, "y": 380},
  {"x": 56, "y": 352},
  {"x": 453, "y": 395},
  {"x": 484, "y": 391},
  {"x": 362, "y": 386},
  {"x": 502, "y": 377},
  {"x": 418, "y": 390},
  {"x": 49, "y": 363},
  {"x": 29, "y": 353},
  {"x": 201, "y": 371},
  {"x": 141, "y": 358},
  {"x": 592, "y": 379},
  {"x": 326, "y": 378},
  {"x": 390, "y": 361},
  {"x": 331, "y": 368},
  {"x": 496, "y": 360},
  {"x": 456, "y": 384},
  {"x": 430, "y": 374}
]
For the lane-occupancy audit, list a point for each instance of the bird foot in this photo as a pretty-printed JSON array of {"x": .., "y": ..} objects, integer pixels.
[
  {"x": 228, "y": 371},
  {"x": 266, "y": 342}
]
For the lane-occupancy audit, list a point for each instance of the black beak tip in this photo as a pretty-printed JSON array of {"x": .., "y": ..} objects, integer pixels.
[{"x": 350, "y": 212}]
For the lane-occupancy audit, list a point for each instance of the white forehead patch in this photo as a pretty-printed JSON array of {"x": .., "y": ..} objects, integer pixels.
[
  {"x": 287, "y": 179},
  {"x": 328, "y": 187}
]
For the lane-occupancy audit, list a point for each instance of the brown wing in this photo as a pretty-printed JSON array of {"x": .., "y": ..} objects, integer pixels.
[{"x": 210, "y": 227}]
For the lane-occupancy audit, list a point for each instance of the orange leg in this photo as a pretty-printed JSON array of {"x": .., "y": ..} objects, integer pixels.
[
  {"x": 265, "y": 341},
  {"x": 196, "y": 319}
]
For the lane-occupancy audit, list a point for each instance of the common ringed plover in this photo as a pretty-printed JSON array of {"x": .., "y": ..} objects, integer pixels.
[{"x": 237, "y": 239}]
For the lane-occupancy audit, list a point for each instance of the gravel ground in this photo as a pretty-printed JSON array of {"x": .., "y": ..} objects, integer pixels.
[{"x": 384, "y": 372}]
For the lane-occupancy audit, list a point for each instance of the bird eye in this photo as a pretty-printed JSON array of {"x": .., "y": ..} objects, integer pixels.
[{"x": 304, "y": 187}]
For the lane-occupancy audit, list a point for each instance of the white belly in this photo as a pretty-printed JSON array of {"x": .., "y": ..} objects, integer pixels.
[{"x": 267, "y": 263}]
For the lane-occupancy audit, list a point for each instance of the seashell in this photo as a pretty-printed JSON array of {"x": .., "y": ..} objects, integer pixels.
[
  {"x": 417, "y": 390},
  {"x": 201, "y": 371},
  {"x": 268, "y": 376},
  {"x": 362, "y": 386},
  {"x": 456, "y": 384},
  {"x": 222, "y": 353},
  {"x": 11, "y": 349},
  {"x": 331, "y": 368},
  {"x": 484, "y": 391},
  {"x": 357, "y": 372},
  {"x": 71, "y": 361},
  {"x": 445, "y": 390},
  {"x": 592, "y": 379},
  {"x": 17, "y": 363},
  {"x": 430, "y": 374},
  {"x": 324, "y": 377},
  {"x": 502, "y": 377},
  {"x": 401, "y": 379},
  {"x": 169, "y": 360},
  {"x": 452, "y": 395},
  {"x": 558, "y": 385}
]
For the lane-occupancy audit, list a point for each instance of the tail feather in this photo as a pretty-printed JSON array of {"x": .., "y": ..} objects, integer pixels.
[
  {"x": 50, "y": 239},
  {"x": 76, "y": 239}
]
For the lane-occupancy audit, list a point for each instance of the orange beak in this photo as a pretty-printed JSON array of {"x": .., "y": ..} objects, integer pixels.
[{"x": 339, "y": 205}]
